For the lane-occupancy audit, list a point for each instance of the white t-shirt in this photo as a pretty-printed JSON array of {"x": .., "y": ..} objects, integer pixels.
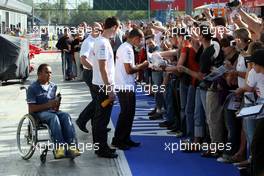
[
  {"x": 241, "y": 67},
  {"x": 256, "y": 80},
  {"x": 124, "y": 55},
  {"x": 157, "y": 37},
  {"x": 103, "y": 51},
  {"x": 86, "y": 49}
]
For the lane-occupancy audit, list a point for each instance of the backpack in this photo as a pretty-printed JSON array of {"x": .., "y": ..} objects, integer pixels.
[{"x": 60, "y": 43}]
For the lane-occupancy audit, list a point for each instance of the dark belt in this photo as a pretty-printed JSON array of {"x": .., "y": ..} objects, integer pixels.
[{"x": 88, "y": 69}]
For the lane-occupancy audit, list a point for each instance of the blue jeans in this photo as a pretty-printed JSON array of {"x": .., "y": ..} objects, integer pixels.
[
  {"x": 233, "y": 125},
  {"x": 60, "y": 124},
  {"x": 68, "y": 58},
  {"x": 249, "y": 126},
  {"x": 157, "y": 78},
  {"x": 189, "y": 112},
  {"x": 147, "y": 76},
  {"x": 183, "y": 100},
  {"x": 63, "y": 64},
  {"x": 170, "y": 101},
  {"x": 199, "y": 113}
]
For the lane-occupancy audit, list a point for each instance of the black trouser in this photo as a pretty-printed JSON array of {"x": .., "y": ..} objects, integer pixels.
[
  {"x": 257, "y": 150},
  {"x": 89, "y": 110},
  {"x": 127, "y": 100},
  {"x": 101, "y": 118}
]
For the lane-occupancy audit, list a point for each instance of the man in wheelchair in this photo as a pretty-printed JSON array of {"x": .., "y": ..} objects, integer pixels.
[{"x": 43, "y": 102}]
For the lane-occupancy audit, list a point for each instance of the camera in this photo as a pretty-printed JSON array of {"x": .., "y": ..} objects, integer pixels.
[
  {"x": 231, "y": 27},
  {"x": 233, "y": 43},
  {"x": 187, "y": 37},
  {"x": 233, "y": 3}
]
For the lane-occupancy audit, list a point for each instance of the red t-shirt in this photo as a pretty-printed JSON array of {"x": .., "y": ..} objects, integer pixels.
[
  {"x": 191, "y": 63},
  {"x": 142, "y": 56}
]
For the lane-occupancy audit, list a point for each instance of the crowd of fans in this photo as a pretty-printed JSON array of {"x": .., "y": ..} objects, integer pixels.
[
  {"x": 195, "y": 108},
  {"x": 13, "y": 32}
]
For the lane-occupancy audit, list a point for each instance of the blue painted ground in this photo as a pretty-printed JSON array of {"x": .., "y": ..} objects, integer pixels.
[{"x": 153, "y": 158}]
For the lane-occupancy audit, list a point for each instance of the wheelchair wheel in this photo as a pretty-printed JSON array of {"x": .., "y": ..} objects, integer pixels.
[{"x": 26, "y": 136}]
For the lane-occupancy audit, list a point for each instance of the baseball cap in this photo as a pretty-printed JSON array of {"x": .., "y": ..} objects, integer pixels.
[{"x": 257, "y": 57}]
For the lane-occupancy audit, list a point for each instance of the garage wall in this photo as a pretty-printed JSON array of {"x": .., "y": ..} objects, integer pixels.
[{"x": 11, "y": 19}]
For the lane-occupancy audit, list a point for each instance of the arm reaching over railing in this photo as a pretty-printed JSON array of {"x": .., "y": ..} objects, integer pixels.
[{"x": 197, "y": 75}]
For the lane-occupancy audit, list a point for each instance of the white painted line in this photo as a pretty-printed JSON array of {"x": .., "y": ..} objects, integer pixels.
[
  {"x": 147, "y": 121},
  {"x": 146, "y": 128},
  {"x": 149, "y": 124},
  {"x": 156, "y": 133}
]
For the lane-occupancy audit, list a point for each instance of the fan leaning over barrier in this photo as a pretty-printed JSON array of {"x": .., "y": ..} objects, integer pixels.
[{"x": 255, "y": 83}]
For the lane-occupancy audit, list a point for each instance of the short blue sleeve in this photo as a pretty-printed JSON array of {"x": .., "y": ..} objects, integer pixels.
[{"x": 31, "y": 95}]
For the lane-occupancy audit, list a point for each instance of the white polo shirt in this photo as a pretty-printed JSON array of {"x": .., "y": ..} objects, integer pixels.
[
  {"x": 103, "y": 51},
  {"x": 241, "y": 67},
  {"x": 124, "y": 55},
  {"x": 256, "y": 80},
  {"x": 86, "y": 49}
]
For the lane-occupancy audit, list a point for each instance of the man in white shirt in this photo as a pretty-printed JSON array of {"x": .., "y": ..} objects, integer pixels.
[
  {"x": 103, "y": 83},
  {"x": 255, "y": 81},
  {"x": 125, "y": 85},
  {"x": 87, "y": 62}
]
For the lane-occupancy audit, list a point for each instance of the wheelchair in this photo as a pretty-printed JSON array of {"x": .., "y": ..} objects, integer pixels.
[{"x": 28, "y": 135}]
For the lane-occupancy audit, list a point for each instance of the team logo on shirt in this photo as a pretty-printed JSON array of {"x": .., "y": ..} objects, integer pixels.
[
  {"x": 102, "y": 50},
  {"x": 129, "y": 54}
]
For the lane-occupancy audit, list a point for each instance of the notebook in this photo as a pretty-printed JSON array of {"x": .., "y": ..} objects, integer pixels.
[{"x": 248, "y": 111}]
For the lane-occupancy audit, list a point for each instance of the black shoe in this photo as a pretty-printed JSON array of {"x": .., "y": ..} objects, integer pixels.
[
  {"x": 68, "y": 79},
  {"x": 121, "y": 146},
  {"x": 210, "y": 154},
  {"x": 105, "y": 154},
  {"x": 81, "y": 126},
  {"x": 172, "y": 127},
  {"x": 110, "y": 149},
  {"x": 178, "y": 133},
  {"x": 156, "y": 116},
  {"x": 131, "y": 143},
  {"x": 165, "y": 124},
  {"x": 108, "y": 129},
  {"x": 152, "y": 112}
]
